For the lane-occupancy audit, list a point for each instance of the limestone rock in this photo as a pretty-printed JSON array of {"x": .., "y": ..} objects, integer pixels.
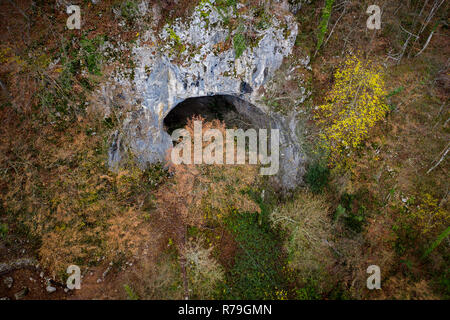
[
  {"x": 50, "y": 289},
  {"x": 189, "y": 59},
  {"x": 22, "y": 293}
]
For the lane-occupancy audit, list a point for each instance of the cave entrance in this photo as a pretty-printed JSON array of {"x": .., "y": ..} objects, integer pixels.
[{"x": 209, "y": 107}]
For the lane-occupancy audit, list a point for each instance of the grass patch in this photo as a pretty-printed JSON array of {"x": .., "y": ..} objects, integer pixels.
[
  {"x": 323, "y": 25},
  {"x": 317, "y": 176},
  {"x": 352, "y": 211},
  {"x": 239, "y": 43},
  {"x": 257, "y": 271}
]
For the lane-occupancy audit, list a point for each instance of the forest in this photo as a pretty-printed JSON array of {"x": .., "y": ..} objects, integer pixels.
[{"x": 358, "y": 89}]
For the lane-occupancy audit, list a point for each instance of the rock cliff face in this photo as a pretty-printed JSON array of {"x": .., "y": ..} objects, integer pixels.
[{"x": 201, "y": 57}]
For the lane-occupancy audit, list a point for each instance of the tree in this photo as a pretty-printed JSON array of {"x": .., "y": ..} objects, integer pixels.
[{"x": 352, "y": 107}]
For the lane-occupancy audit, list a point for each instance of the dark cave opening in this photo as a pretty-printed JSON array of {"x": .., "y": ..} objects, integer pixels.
[{"x": 209, "y": 107}]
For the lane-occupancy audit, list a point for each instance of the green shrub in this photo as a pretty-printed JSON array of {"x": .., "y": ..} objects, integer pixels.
[
  {"x": 91, "y": 54},
  {"x": 155, "y": 174},
  {"x": 224, "y": 4},
  {"x": 323, "y": 26},
  {"x": 263, "y": 19},
  {"x": 352, "y": 212},
  {"x": 239, "y": 44},
  {"x": 130, "y": 293},
  {"x": 317, "y": 176},
  {"x": 436, "y": 242},
  {"x": 309, "y": 291},
  {"x": 129, "y": 11},
  {"x": 3, "y": 230},
  {"x": 444, "y": 284},
  {"x": 257, "y": 271}
]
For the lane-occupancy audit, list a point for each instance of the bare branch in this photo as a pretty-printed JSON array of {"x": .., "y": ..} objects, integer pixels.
[
  {"x": 445, "y": 151},
  {"x": 426, "y": 44},
  {"x": 18, "y": 9}
]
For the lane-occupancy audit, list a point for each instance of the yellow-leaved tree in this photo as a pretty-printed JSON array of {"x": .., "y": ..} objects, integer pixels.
[{"x": 352, "y": 107}]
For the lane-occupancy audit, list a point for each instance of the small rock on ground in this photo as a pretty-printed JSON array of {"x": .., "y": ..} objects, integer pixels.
[
  {"x": 8, "y": 281},
  {"x": 50, "y": 289},
  {"x": 22, "y": 293}
]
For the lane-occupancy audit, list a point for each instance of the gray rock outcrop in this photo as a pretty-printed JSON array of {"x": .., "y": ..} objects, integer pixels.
[{"x": 190, "y": 59}]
